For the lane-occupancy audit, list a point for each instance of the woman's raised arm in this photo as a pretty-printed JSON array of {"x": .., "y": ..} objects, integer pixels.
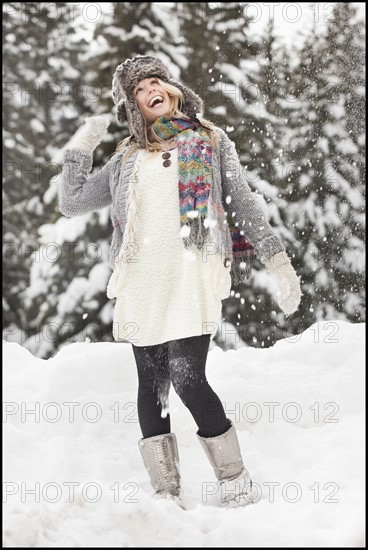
[{"x": 78, "y": 193}]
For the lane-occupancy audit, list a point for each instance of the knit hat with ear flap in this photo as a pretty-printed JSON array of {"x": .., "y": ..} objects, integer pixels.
[{"x": 125, "y": 79}]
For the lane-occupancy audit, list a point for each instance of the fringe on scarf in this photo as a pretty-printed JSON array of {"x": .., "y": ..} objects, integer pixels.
[
  {"x": 195, "y": 232},
  {"x": 241, "y": 268}
]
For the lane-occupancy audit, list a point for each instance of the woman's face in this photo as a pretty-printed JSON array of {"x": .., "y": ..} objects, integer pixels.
[{"x": 152, "y": 99}]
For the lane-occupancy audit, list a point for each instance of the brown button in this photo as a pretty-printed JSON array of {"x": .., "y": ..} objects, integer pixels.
[
  {"x": 227, "y": 262},
  {"x": 166, "y": 163},
  {"x": 166, "y": 155}
]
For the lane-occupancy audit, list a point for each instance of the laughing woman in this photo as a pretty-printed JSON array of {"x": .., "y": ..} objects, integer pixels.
[{"x": 174, "y": 254}]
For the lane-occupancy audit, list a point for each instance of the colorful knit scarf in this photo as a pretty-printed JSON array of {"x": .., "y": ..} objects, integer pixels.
[{"x": 195, "y": 182}]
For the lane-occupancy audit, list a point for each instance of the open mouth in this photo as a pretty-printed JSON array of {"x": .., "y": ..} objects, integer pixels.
[{"x": 157, "y": 100}]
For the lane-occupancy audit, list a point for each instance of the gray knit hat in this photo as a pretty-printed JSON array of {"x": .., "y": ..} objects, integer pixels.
[{"x": 126, "y": 77}]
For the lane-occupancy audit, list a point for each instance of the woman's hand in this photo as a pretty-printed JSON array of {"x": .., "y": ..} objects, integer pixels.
[
  {"x": 90, "y": 135},
  {"x": 288, "y": 283}
]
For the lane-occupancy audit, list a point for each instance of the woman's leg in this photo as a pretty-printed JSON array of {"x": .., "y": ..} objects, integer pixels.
[
  {"x": 153, "y": 388},
  {"x": 187, "y": 363}
]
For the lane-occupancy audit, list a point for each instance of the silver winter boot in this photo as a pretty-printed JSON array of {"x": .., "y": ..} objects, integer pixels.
[
  {"x": 161, "y": 459},
  {"x": 225, "y": 458}
]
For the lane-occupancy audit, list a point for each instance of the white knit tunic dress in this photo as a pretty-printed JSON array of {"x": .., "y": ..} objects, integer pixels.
[{"x": 166, "y": 291}]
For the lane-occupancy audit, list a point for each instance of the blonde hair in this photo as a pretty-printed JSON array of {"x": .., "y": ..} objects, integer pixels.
[{"x": 153, "y": 142}]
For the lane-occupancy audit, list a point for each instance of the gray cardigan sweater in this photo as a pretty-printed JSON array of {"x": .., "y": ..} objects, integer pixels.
[{"x": 80, "y": 193}]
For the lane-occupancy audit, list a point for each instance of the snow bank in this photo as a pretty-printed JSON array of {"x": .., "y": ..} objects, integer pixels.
[{"x": 73, "y": 475}]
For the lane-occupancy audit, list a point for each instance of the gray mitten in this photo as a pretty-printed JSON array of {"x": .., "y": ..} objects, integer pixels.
[
  {"x": 87, "y": 137},
  {"x": 288, "y": 283}
]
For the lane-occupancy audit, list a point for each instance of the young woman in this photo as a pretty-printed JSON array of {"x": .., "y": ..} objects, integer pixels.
[{"x": 186, "y": 225}]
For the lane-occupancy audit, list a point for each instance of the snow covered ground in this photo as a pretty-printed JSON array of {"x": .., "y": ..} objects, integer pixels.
[{"x": 299, "y": 411}]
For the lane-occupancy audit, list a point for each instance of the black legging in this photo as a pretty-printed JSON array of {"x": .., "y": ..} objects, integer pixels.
[{"x": 183, "y": 363}]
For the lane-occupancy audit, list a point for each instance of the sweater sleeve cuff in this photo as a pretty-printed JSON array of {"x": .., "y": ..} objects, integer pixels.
[
  {"x": 82, "y": 158},
  {"x": 268, "y": 247}
]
